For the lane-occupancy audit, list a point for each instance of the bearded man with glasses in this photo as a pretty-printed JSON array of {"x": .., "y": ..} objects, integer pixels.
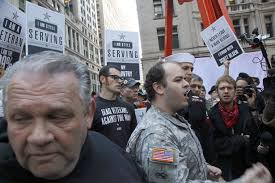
[{"x": 114, "y": 118}]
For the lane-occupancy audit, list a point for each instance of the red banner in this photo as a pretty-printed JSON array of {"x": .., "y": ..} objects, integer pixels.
[{"x": 183, "y": 1}]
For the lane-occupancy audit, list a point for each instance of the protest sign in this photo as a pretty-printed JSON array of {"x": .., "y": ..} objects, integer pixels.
[
  {"x": 12, "y": 34},
  {"x": 122, "y": 50},
  {"x": 221, "y": 41},
  {"x": 45, "y": 29}
]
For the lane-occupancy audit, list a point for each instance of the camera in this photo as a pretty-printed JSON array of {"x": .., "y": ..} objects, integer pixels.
[
  {"x": 255, "y": 41},
  {"x": 248, "y": 90}
]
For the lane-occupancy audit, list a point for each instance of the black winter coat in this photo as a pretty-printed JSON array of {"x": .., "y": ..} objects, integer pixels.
[
  {"x": 101, "y": 161},
  {"x": 234, "y": 152}
]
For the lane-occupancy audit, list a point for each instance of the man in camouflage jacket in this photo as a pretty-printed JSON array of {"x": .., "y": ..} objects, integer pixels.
[{"x": 164, "y": 145}]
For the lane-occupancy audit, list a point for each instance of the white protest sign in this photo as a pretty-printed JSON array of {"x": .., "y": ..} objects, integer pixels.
[
  {"x": 12, "y": 33},
  {"x": 45, "y": 29},
  {"x": 122, "y": 50},
  {"x": 221, "y": 41}
]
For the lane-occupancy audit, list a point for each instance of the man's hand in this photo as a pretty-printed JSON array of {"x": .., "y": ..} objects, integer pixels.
[
  {"x": 262, "y": 149},
  {"x": 226, "y": 63},
  {"x": 226, "y": 67},
  {"x": 214, "y": 173},
  {"x": 257, "y": 174},
  {"x": 251, "y": 101}
]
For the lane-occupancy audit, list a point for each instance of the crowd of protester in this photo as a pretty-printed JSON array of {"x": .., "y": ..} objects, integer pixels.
[{"x": 54, "y": 129}]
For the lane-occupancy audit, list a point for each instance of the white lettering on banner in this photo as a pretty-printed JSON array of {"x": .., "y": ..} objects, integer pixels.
[
  {"x": 127, "y": 117},
  {"x": 114, "y": 115},
  {"x": 106, "y": 111},
  {"x": 229, "y": 56},
  {"x": 119, "y": 110},
  {"x": 5, "y": 58},
  {"x": 126, "y": 74},
  {"x": 224, "y": 51}
]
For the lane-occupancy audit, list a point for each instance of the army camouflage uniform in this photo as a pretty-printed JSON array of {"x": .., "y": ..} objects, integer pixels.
[{"x": 161, "y": 130}]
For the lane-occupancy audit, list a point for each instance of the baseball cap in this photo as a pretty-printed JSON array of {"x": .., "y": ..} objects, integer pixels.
[
  {"x": 213, "y": 88},
  {"x": 129, "y": 82},
  {"x": 181, "y": 58}
]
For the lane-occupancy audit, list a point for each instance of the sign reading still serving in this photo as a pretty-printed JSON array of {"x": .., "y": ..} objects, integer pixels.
[
  {"x": 122, "y": 50},
  {"x": 45, "y": 29}
]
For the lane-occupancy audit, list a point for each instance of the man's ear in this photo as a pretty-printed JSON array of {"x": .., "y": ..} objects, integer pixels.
[
  {"x": 102, "y": 79},
  {"x": 90, "y": 113},
  {"x": 159, "y": 89}
]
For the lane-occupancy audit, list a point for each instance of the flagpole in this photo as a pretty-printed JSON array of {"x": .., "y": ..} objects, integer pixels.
[{"x": 168, "y": 28}]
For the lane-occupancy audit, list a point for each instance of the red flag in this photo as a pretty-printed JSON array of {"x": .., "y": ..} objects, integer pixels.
[{"x": 183, "y": 1}]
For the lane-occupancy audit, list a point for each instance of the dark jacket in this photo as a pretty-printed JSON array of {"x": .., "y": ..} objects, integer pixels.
[
  {"x": 235, "y": 153},
  {"x": 101, "y": 161},
  {"x": 197, "y": 115},
  {"x": 268, "y": 159}
]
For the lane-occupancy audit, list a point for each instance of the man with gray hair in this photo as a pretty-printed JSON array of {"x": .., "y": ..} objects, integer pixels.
[{"x": 48, "y": 109}]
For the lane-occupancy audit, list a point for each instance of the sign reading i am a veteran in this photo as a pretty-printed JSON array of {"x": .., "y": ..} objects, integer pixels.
[
  {"x": 221, "y": 41},
  {"x": 122, "y": 50},
  {"x": 12, "y": 34},
  {"x": 45, "y": 29}
]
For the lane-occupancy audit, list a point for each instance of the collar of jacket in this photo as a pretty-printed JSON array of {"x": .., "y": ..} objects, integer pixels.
[{"x": 176, "y": 120}]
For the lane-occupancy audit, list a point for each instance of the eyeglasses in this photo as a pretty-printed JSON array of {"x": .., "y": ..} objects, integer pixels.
[{"x": 116, "y": 77}]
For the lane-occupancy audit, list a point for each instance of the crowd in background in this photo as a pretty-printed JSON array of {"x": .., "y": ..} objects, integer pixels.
[{"x": 183, "y": 136}]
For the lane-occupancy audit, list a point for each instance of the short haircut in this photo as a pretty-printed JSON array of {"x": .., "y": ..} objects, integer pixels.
[
  {"x": 196, "y": 77},
  {"x": 105, "y": 71},
  {"x": 245, "y": 77},
  {"x": 51, "y": 63},
  {"x": 155, "y": 74},
  {"x": 227, "y": 79}
]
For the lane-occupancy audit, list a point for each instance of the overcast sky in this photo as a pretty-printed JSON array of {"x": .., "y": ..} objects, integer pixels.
[{"x": 130, "y": 13}]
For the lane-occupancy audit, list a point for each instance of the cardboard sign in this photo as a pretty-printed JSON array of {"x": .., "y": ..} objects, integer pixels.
[
  {"x": 221, "y": 41},
  {"x": 12, "y": 34},
  {"x": 122, "y": 50},
  {"x": 45, "y": 29}
]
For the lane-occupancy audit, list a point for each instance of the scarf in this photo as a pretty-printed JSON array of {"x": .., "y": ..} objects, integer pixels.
[{"x": 229, "y": 116}]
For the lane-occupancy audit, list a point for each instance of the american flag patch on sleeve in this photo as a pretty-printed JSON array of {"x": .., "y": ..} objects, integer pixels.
[{"x": 163, "y": 155}]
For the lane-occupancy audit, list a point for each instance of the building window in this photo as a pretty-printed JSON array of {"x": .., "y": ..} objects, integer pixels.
[
  {"x": 77, "y": 42},
  {"x": 53, "y": 4},
  {"x": 73, "y": 40},
  {"x": 273, "y": 61},
  {"x": 22, "y": 5},
  {"x": 175, "y": 37},
  {"x": 58, "y": 8},
  {"x": 161, "y": 37},
  {"x": 232, "y": 2},
  {"x": 246, "y": 26},
  {"x": 268, "y": 25},
  {"x": 69, "y": 37},
  {"x": 237, "y": 26},
  {"x": 158, "y": 11}
]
